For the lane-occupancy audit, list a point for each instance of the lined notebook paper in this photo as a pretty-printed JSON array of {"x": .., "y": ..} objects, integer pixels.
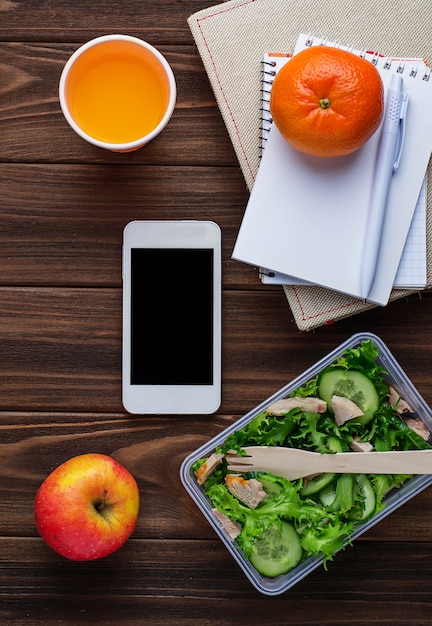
[
  {"x": 307, "y": 217},
  {"x": 412, "y": 267}
]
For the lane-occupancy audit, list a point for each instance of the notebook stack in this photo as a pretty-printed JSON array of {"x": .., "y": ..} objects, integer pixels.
[
  {"x": 305, "y": 224},
  {"x": 312, "y": 213}
]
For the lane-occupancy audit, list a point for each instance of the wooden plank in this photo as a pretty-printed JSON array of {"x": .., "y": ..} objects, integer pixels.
[
  {"x": 60, "y": 20},
  {"x": 198, "y": 583},
  {"x": 61, "y": 348},
  {"x": 33, "y": 128},
  {"x": 152, "y": 449},
  {"x": 62, "y": 224}
]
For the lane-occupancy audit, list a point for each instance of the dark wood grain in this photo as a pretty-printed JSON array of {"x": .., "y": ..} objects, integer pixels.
[
  {"x": 63, "y": 207},
  {"x": 33, "y": 129},
  {"x": 59, "y": 20},
  {"x": 61, "y": 347},
  {"x": 153, "y": 449},
  {"x": 62, "y": 224},
  {"x": 380, "y": 584}
]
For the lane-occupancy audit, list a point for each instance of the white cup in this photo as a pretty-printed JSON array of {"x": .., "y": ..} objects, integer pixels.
[{"x": 117, "y": 92}]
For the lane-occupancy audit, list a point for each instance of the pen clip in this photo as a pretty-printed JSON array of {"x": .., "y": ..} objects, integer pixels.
[{"x": 401, "y": 134}]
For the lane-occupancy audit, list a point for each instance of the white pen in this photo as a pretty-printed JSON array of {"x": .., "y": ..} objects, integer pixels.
[{"x": 389, "y": 153}]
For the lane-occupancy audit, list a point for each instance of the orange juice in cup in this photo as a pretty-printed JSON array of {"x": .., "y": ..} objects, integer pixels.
[{"x": 117, "y": 92}]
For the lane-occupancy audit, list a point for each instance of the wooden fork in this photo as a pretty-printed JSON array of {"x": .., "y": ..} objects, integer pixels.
[{"x": 293, "y": 463}]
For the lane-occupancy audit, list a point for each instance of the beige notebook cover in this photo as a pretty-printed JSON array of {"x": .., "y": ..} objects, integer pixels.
[{"x": 232, "y": 38}]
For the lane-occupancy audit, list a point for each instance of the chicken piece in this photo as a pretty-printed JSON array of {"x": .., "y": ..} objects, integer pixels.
[
  {"x": 418, "y": 427},
  {"x": 208, "y": 467},
  {"x": 344, "y": 409},
  {"x": 360, "y": 446},
  {"x": 233, "y": 529},
  {"x": 397, "y": 403},
  {"x": 250, "y": 492},
  {"x": 281, "y": 407}
]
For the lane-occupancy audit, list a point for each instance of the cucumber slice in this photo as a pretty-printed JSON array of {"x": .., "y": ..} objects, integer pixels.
[
  {"x": 353, "y": 385},
  {"x": 327, "y": 496},
  {"x": 364, "y": 494},
  {"x": 344, "y": 494},
  {"x": 317, "y": 483},
  {"x": 277, "y": 550},
  {"x": 271, "y": 487}
]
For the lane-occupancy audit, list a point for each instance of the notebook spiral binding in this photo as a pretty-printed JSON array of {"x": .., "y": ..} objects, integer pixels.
[
  {"x": 268, "y": 72},
  {"x": 267, "y": 76},
  {"x": 373, "y": 57}
]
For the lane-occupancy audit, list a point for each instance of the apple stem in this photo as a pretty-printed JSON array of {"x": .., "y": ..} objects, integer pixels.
[{"x": 100, "y": 503}]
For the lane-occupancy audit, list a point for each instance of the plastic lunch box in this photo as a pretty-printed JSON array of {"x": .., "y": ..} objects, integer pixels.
[{"x": 395, "y": 499}]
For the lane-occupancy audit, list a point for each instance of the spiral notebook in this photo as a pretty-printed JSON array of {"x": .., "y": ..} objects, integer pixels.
[
  {"x": 411, "y": 272},
  {"x": 310, "y": 215}
]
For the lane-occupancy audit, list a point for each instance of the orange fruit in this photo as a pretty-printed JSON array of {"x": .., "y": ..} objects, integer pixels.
[{"x": 326, "y": 101}]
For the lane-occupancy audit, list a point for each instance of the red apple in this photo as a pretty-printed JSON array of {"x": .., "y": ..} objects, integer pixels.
[{"x": 87, "y": 507}]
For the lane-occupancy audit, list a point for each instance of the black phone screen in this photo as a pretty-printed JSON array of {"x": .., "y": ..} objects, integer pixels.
[{"x": 172, "y": 308}]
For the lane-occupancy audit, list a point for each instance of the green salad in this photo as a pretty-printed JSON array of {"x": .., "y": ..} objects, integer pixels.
[{"x": 348, "y": 406}]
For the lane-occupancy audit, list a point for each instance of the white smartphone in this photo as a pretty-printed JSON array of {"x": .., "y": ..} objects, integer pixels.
[{"x": 171, "y": 317}]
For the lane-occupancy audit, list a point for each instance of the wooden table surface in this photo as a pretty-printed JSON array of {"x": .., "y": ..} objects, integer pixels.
[{"x": 63, "y": 207}]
